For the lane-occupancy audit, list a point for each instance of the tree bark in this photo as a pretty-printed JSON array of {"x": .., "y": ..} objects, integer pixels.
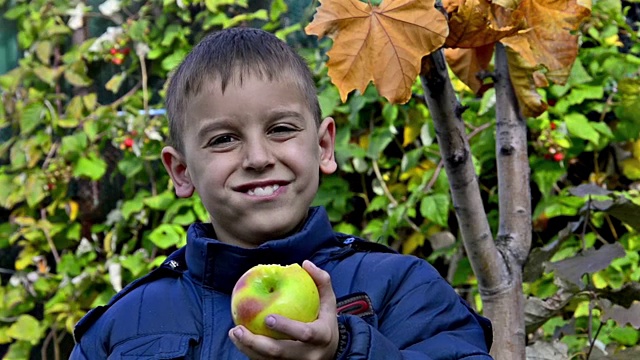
[
  {"x": 497, "y": 265},
  {"x": 513, "y": 240},
  {"x": 446, "y": 112}
]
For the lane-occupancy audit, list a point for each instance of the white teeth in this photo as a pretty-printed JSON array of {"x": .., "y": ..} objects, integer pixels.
[{"x": 263, "y": 191}]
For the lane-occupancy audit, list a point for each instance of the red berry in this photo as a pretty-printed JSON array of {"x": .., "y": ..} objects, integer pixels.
[
  {"x": 128, "y": 142},
  {"x": 134, "y": 133},
  {"x": 51, "y": 186},
  {"x": 125, "y": 51},
  {"x": 558, "y": 157},
  {"x": 117, "y": 61},
  {"x": 553, "y": 126},
  {"x": 113, "y": 51}
]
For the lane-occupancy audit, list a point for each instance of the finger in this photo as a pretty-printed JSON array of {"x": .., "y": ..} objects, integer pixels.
[
  {"x": 296, "y": 330},
  {"x": 256, "y": 347},
  {"x": 325, "y": 290}
]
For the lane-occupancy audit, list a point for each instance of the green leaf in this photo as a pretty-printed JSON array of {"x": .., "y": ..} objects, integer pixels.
[
  {"x": 436, "y": 208},
  {"x": 47, "y": 74},
  {"x": 43, "y": 51},
  {"x": 19, "y": 350},
  {"x": 170, "y": 33},
  {"x": 134, "y": 205},
  {"x": 34, "y": 189},
  {"x": 115, "y": 82},
  {"x": 172, "y": 61},
  {"x": 579, "y": 74},
  {"x": 329, "y": 100},
  {"x": 31, "y": 117},
  {"x": 72, "y": 145},
  {"x": 546, "y": 175},
  {"x": 16, "y": 11},
  {"x": 26, "y": 328},
  {"x": 578, "y": 125},
  {"x": 625, "y": 335},
  {"x": 130, "y": 166},
  {"x": 380, "y": 138},
  {"x": 161, "y": 201},
  {"x": 91, "y": 166},
  {"x": 583, "y": 92},
  {"x": 166, "y": 236},
  {"x": 278, "y": 8},
  {"x": 76, "y": 79}
]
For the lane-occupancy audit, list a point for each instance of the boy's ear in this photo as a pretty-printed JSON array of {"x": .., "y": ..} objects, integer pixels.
[
  {"x": 326, "y": 143},
  {"x": 176, "y": 166}
]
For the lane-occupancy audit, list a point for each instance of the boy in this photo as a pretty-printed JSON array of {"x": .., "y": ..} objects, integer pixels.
[{"x": 246, "y": 134}]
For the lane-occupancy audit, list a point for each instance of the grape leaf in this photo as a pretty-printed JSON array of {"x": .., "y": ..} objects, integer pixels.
[
  {"x": 623, "y": 315},
  {"x": 588, "y": 261},
  {"x": 384, "y": 44}
]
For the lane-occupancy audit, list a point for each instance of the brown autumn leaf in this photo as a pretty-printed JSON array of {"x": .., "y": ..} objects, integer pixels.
[
  {"x": 384, "y": 44},
  {"x": 548, "y": 44},
  {"x": 467, "y": 64},
  {"x": 474, "y": 23}
]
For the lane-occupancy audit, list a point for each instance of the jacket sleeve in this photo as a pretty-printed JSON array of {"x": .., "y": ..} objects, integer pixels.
[{"x": 423, "y": 319}]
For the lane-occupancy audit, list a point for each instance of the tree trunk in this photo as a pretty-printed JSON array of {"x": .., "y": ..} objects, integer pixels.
[
  {"x": 514, "y": 232},
  {"x": 497, "y": 265}
]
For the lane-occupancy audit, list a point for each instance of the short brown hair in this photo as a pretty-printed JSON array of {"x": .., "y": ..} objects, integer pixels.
[{"x": 231, "y": 55}]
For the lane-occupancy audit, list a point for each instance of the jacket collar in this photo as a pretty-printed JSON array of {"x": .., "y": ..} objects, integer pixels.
[{"x": 218, "y": 265}]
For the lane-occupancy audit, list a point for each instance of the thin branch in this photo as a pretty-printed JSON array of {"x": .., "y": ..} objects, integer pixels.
[
  {"x": 52, "y": 246},
  {"x": 129, "y": 93},
  {"x": 386, "y": 191},
  {"x": 50, "y": 154},
  {"x": 145, "y": 91},
  {"x": 593, "y": 342}
]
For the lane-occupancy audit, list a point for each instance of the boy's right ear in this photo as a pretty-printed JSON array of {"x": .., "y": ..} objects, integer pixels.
[{"x": 176, "y": 166}]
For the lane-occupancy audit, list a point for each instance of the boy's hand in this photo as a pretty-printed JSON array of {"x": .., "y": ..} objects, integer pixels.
[{"x": 317, "y": 340}]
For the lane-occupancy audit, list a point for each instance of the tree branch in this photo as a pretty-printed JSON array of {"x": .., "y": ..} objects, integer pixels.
[{"x": 465, "y": 190}]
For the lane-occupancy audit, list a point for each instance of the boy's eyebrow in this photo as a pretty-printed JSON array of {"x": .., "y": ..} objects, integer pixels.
[{"x": 283, "y": 113}]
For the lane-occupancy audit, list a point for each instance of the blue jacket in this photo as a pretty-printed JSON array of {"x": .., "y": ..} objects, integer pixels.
[{"x": 393, "y": 306}]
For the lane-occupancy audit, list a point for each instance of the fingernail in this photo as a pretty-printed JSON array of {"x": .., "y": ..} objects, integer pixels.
[
  {"x": 312, "y": 264},
  {"x": 237, "y": 333},
  {"x": 270, "y": 321}
]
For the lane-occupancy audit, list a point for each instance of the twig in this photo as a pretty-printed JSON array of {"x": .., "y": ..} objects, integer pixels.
[
  {"x": 129, "y": 93},
  {"x": 145, "y": 91},
  {"x": 613, "y": 228},
  {"x": 436, "y": 173},
  {"x": 50, "y": 154},
  {"x": 593, "y": 341},
  {"x": 52, "y": 246},
  {"x": 386, "y": 191}
]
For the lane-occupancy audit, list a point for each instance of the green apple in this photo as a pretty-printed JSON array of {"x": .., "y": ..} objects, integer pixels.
[{"x": 274, "y": 289}]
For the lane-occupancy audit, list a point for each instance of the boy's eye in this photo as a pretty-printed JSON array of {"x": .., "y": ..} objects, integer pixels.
[
  {"x": 221, "y": 140},
  {"x": 280, "y": 129}
]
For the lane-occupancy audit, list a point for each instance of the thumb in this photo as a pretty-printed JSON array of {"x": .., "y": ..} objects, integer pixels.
[{"x": 323, "y": 282}]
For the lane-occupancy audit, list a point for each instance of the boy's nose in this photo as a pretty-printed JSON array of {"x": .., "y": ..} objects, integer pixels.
[{"x": 258, "y": 156}]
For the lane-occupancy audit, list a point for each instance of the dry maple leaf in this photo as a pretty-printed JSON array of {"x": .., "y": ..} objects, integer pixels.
[
  {"x": 383, "y": 44},
  {"x": 474, "y": 23},
  {"x": 468, "y": 63},
  {"x": 549, "y": 43}
]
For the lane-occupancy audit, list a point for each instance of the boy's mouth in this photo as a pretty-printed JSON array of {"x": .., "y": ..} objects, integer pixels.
[{"x": 263, "y": 190}]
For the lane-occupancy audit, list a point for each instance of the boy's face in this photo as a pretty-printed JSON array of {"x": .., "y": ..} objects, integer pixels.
[{"x": 254, "y": 155}]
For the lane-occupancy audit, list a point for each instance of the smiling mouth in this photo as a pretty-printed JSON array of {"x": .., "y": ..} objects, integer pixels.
[{"x": 263, "y": 191}]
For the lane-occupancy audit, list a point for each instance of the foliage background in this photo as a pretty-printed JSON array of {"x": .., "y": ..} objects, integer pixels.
[{"x": 86, "y": 207}]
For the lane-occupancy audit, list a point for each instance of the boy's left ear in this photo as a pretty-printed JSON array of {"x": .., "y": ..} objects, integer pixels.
[{"x": 326, "y": 143}]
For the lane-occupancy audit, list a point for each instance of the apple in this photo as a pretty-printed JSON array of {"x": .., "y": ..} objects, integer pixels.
[{"x": 274, "y": 289}]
